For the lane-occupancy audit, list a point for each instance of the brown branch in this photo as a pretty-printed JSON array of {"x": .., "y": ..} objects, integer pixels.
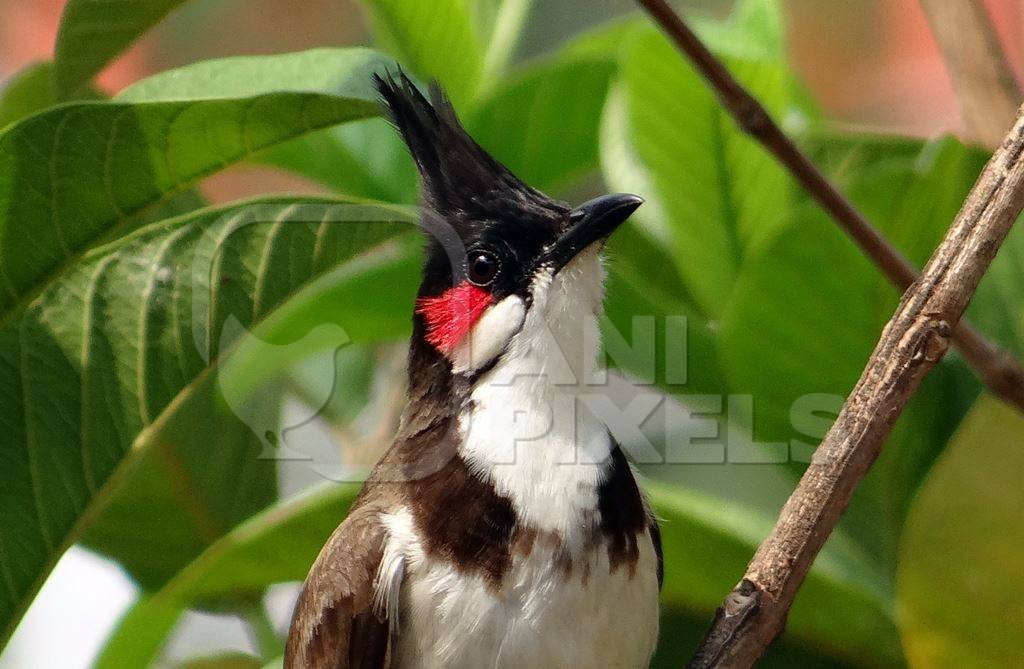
[
  {"x": 911, "y": 344},
  {"x": 998, "y": 370},
  {"x": 984, "y": 83}
]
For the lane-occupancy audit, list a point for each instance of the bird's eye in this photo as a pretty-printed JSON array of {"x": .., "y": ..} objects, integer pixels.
[{"x": 481, "y": 267}]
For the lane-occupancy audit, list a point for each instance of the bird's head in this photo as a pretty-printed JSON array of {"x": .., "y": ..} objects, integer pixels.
[{"x": 501, "y": 255}]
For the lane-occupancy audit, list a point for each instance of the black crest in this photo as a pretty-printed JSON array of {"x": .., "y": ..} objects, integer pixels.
[{"x": 460, "y": 179}]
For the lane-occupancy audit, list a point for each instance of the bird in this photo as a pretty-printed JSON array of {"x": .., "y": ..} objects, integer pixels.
[{"x": 504, "y": 526}]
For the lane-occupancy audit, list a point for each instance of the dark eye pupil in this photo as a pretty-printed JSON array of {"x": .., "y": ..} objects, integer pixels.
[{"x": 482, "y": 268}]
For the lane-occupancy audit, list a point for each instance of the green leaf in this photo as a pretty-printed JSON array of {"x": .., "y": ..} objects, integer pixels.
[
  {"x": 93, "y": 32},
  {"x": 31, "y": 90},
  {"x": 379, "y": 285},
  {"x": 784, "y": 303},
  {"x": 632, "y": 298},
  {"x": 718, "y": 191},
  {"x": 914, "y": 199},
  {"x": 346, "y": 73},
  {"x": 276, "y": 546},
  {"x": 27, "y": 92},
  {"x": 363, "y": 159},
  {"x": 107, "y": 373},
  {"x": 643, "y": 276},
  {"x": 435, "y": 40},
  {"x": 84, "y": 172},
  {"x": 960, "y": 584},
  {"x": 165, "y": 503}
]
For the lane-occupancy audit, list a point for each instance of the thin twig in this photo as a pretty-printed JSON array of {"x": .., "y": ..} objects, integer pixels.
[
  {"x": 998, "y": 370},
  {"x": 985, "y": 87},
  {"x": 911, "y": 344}
]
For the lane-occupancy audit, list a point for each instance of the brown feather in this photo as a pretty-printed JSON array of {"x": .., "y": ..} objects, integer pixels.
[{"x": 335, "y": 625}]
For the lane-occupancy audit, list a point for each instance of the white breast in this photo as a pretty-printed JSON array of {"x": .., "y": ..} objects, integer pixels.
[
  {"x": 528, "y": 429},
  {"x": 595, "y": 618}
]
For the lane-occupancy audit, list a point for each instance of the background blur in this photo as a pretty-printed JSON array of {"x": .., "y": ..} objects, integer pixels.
[{"x": 869, "y": 64}]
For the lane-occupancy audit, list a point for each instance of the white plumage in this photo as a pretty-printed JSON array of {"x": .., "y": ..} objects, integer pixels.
[{"x": 539, "y": 619}]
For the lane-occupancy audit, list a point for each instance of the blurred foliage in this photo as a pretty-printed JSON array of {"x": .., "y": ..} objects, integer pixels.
[
  {"x": 148, "y": 341},
  {"x": 27, "y": 92},
  {"x": 961, "y": 570},
  {"x": 94, "y": 33}
]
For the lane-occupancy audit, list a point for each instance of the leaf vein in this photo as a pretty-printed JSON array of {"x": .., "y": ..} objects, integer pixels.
[
  {"x": 85, "y": 354},
  {"x": 268, "y": 250},
  {"x": 145, "y": 305}
]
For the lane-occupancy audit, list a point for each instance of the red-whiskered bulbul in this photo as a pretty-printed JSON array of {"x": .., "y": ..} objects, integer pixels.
[{"x": 504, "y": 527}]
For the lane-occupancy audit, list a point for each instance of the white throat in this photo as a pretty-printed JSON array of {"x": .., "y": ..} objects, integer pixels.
[{"x": 527, "y": 427}]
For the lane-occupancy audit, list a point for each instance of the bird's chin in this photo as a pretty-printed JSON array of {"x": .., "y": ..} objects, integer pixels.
[
  {"x": 580, "y": 280},
  {"x": 585, "y": 258}
]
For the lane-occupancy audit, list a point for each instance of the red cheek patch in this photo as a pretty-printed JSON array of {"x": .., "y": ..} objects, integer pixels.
[{"x": 451, "y": 315}]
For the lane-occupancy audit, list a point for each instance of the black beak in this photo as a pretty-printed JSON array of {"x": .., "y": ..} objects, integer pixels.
[{"x": 590, "y": 222}]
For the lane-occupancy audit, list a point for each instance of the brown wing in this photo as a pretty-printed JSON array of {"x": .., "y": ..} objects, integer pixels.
[{"x": 335, "y": 625}]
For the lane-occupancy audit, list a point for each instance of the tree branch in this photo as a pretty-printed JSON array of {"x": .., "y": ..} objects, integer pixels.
[
  {"x": 914, "y": 340},
  {"x": 997, "y": 369},
  {"x": 985, "y": 86}
]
